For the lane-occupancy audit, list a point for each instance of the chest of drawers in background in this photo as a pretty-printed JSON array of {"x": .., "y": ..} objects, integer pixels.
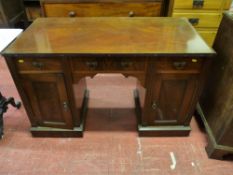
[
  {"x": 94, "y": 8},
  {"x": 204, "y": 15}
]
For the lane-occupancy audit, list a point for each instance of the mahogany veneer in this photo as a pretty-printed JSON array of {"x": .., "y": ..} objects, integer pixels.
[{"x": 167, "y": 56}]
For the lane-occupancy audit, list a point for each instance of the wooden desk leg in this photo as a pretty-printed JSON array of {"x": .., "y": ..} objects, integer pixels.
[
  {"x": 138, "y": 109},
  {"x": 3, "y": 108},
  {"x": 84, "y": 109}
]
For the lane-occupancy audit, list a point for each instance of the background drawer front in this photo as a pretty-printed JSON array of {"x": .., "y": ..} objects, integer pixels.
[
  {"x": 38, "y": 64},
  {"x": 191, "y": 4},
  {"x": 227, "y": 4},
  {"x": 208, "y": 36},
  {"x": 102, "y": 9},
  {"x": 178, "y": 64},
  {"x": 201, "y": 19}
]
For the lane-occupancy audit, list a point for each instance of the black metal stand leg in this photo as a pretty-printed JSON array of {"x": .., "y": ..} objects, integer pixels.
[
  {"x": 13, "y": 103},
  {"x": 4, "y": 102}
]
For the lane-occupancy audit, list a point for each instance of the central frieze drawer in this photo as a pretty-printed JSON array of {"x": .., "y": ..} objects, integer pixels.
[
  {"x": 102, "y": 9},
  {"x": 88, "y": 64},
  {"x": 108, "y": 64},
  {"x": 128, "y": 64},
  {"x": 38, "y": 64}
]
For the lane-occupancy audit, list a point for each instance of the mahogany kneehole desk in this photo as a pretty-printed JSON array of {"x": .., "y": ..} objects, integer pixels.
[{"x": 54, "y": 55}]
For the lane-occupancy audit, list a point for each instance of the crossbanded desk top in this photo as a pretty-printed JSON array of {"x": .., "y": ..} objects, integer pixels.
[{"x": 110, "y": 35}]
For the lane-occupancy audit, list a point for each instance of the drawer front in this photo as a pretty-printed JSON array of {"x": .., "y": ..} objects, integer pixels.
[
  {"x": 178, "y": 64},
  {"x": 198, "y": 4},
  {"x": 208, "y": 36},
  {"x": 201, "y": 19},
  {"x": 87, "y": 64},
  {"x": 102, "y": 9},
  {"x": 38, "y": 64},
  {"x": 108, "y": 64},
  {"x": 128, "y": 64}
]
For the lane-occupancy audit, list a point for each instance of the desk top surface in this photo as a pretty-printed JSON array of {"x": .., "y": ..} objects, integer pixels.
[{"x": 110, "y": 35}]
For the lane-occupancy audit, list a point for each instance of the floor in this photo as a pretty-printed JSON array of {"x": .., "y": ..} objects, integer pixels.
[{"x": 110, "y": 144}]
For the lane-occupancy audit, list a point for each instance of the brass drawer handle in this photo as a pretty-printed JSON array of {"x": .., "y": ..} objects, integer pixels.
[
  {"x": 72, "y": 14},
  {"x": 194, "y": 21},
  {"x": 126, "y": 64},
  {"x": 92, "y": 64},
  {"x": 198, "y": 4},
  {"x": 131, "y": 14},
  {"x": 38, "y": 65},
  {"x": 179, "y": 65}
]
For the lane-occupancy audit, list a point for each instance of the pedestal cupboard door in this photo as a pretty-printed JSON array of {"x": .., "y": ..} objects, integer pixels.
[
  {"x": 47, "y": 96},
  {"x": 171, "y": 97}
]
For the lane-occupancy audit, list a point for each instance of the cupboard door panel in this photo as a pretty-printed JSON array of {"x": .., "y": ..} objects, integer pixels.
[
  {"x": 48, "y": 99},
  {"x": 171, "y": 98}
]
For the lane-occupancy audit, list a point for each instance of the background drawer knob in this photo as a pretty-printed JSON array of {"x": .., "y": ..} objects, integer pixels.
[
  {"x": 179, "y": 65},
  {"x": 131, "y": 14},
  {"x": 198, "y": 3},
  {"x": 194, "y": 21},
  {"x": 38, "y": 65},
  {"x": 72, "y": 14}
]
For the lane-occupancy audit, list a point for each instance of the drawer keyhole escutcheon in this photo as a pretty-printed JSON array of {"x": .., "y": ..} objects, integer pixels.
[
  {"x": 179, "y": 65},
  {"x": 154, "y": 105},
  {"x": 198, "y": 4},
  {"x": 38, "y": 65},
  {"x": 72, "y": 14},
  {"x": 65, "y": 105},
  {"x": 20, "y": 61},
  {"x": 194, "y": 60}
]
